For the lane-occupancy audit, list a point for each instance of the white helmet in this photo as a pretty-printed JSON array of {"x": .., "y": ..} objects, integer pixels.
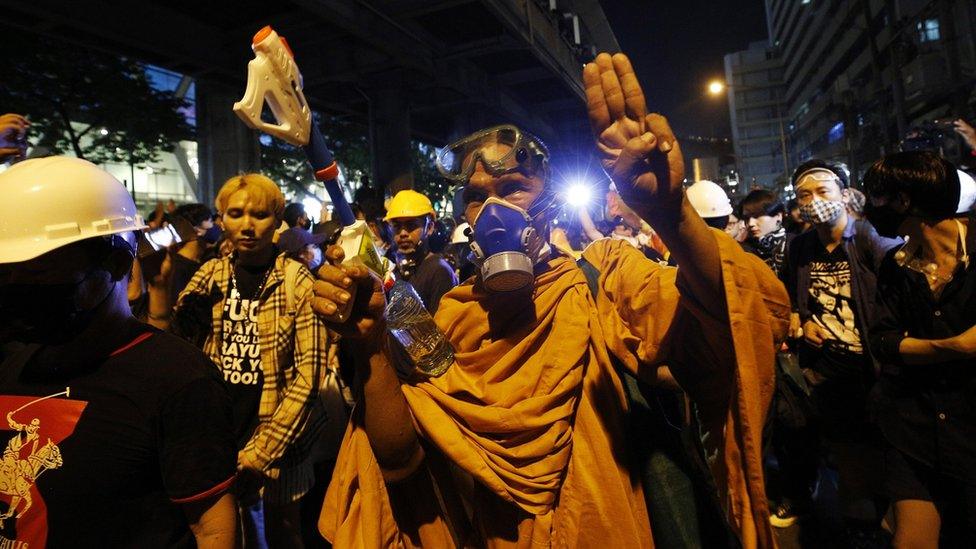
[
  {"x": 459, "y": 236},
  {"x": 55, "y": 201},
  {"x": 967, "y": 192},
  {"x": 708, "y": 199}
]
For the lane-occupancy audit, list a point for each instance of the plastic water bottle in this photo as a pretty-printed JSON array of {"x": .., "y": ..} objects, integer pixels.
[{"x": 413, "y": 328}]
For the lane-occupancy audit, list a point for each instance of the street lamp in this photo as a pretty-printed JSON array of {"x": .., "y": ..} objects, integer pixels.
[{"x": 718, "y": 87}]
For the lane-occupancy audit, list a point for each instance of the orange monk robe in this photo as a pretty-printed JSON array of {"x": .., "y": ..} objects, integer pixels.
[{"x": 525, "y": 435}]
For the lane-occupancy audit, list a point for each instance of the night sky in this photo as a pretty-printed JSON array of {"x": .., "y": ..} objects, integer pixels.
[{"x": 677, "y": 46}]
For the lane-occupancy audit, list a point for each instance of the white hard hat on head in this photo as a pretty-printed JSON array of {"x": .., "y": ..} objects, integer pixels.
[
  {"x": 967, "y": 192},
  {"x": 51, "y": 202},
  {"x": 708, "y": 199},
  {"x": 459, "y": 236}
]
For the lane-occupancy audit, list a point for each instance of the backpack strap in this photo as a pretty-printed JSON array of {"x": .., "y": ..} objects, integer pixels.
[{"x": 592, "y": 276}]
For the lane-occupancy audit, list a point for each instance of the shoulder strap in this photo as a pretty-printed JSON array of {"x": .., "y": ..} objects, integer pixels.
[
  {"x": 291, "y": 279},
  {"x": 861, "y": 240},
  {"x": 592, "y": 276}
]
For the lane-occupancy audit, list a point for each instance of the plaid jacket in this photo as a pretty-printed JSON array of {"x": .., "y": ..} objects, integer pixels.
[{"x": 296, "y": 349}]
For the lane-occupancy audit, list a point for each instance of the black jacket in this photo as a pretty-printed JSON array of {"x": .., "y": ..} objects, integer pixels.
[{"x": 865, "y": 250}]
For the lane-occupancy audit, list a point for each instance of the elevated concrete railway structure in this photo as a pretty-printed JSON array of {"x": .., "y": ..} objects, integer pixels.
[{"x": 423, "y": 69}]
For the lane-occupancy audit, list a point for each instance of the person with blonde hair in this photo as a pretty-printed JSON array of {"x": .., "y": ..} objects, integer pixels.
[{"x": 251, "y": 312}]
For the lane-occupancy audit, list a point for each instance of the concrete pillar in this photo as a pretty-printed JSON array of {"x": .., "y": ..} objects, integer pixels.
[
  {"x": 705, "y": 168},
  {"x": 226, "y": 147},
  {"x": 470, "y": 120},
  {"x": 389, "y": 135}
]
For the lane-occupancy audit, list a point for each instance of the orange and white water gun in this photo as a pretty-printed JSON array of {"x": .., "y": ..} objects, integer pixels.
[{"x": 273, "y": 78}]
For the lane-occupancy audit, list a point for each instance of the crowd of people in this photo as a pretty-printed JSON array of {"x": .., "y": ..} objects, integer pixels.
[
  {"x": 873, "y": 380},
  {"x": 684, "y": 372}
]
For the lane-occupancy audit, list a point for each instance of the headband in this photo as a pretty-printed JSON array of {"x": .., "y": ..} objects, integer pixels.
[{"x": 819, "y": 174}]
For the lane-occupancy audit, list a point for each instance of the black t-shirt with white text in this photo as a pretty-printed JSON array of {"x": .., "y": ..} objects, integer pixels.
[
  {"x": 110, "y": 463},
  {"x": 240, "y": 350}
]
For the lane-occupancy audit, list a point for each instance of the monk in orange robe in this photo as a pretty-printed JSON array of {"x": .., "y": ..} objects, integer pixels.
[{"x": 522, "y": 441}]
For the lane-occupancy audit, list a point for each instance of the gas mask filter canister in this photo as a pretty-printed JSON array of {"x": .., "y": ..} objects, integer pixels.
[{"x": 506, "y": 246}]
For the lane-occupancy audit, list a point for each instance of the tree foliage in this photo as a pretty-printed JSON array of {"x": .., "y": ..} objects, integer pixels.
[
  {"x": 349, "y": 142},
  {"x": 99, "y": 106},
  {"x": 426, "y": 179}
]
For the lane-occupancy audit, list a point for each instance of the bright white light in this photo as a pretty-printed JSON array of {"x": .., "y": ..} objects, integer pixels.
[
  {"x": 103, "y": 131},
  {"x": 578, "y": 195},
  {"x": 716, "y": 87},
  {"x": 312, "y": 208}
]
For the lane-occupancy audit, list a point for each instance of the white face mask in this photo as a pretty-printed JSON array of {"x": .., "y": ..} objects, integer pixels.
[{"x": 316, "y": 260}]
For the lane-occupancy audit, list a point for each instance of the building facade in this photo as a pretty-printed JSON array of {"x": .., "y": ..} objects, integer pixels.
[
  {"x": 857, "y": 77},
  {"x": 755, "y": 91},
  {"x": 861, "y": 75}
]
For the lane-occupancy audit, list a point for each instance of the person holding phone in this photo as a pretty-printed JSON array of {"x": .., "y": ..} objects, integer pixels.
[{"x": 13, "y": 137}]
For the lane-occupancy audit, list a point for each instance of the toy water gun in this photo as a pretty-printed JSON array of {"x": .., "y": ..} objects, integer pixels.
[{"x": 273, "y": 77}]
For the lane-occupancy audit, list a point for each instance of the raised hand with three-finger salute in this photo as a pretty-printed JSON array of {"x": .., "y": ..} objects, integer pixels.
[
  {"x": 643, "y": 158},
  {"x": 639, "y": 150}
]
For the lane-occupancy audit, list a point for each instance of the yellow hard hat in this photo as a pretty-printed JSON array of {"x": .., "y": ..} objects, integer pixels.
[{"x": 409, "y": 204}]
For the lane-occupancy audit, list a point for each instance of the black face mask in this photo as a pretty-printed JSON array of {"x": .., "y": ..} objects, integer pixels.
[
  {"x": 43, "y": 313},
  {"x": 885, "y": 220}
]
